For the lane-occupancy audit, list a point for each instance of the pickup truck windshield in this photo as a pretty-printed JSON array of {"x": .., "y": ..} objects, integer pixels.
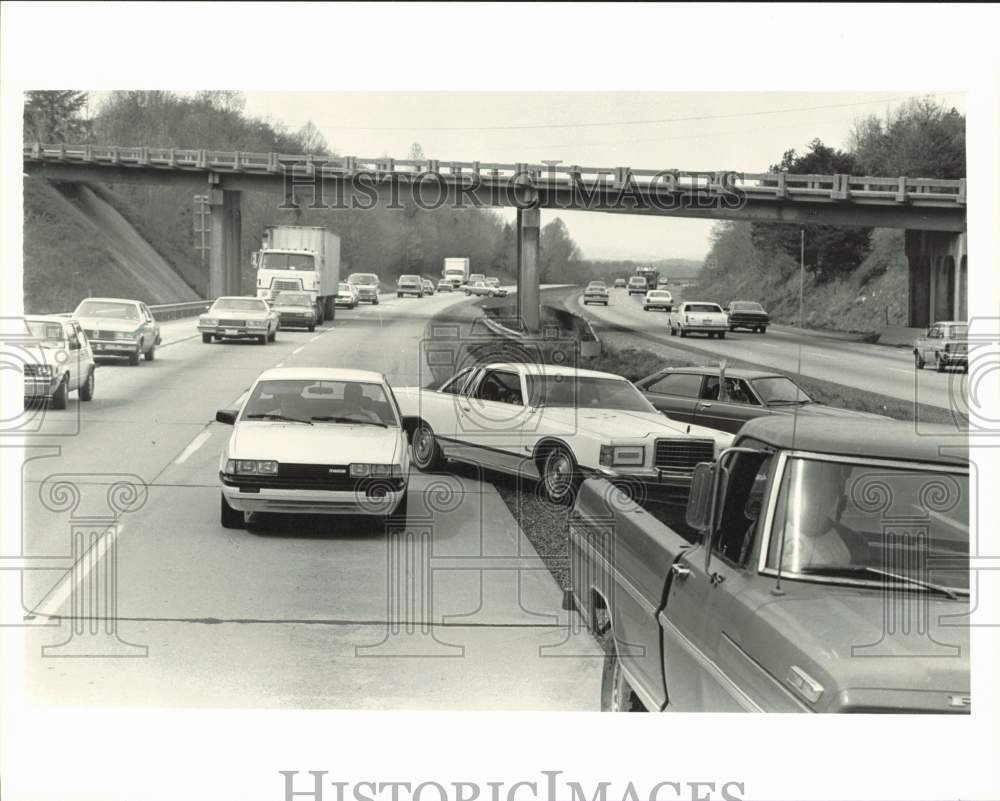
[
  {"x": 287, "y": 261},
  {"x": 586, "y": 392},
  {"x": 110, "y": 310},
  {"x": 888, "y": 526}
]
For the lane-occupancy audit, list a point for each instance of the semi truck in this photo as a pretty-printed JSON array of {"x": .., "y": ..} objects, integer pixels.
[
  {"x": 300, "y": 258},
  {"x": 455, "y": 271}
]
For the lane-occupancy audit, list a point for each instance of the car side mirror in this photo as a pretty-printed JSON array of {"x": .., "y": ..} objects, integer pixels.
[
  {"x": 227, "y": 416},
  {"x": 699, "y": 507}
]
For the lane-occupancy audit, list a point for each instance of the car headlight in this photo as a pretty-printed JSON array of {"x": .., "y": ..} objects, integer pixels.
[
  {"x": 42, "y": 370},
  {"x": 127, "y": 336},
  {"x": 256, "y": 323},
  {"x": 367, "y": 469},
  {"x": 622, "y": 455},
  {"x": 209, "y": 321},
  {"x": 251, "y": 467}
]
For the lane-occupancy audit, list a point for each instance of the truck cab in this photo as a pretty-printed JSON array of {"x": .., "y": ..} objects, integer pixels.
[
  {"x": 818, "y": 567},
  {"x": 298, "y": 258}
]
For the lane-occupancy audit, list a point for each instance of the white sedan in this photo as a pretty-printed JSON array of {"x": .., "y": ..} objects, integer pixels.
[
  {"x": 314, "y": 440},
  {"x": 553, "y": 424},
  {"x": 699, "y": 317},
  {"x": 658, "y": 299},
  {"x": 239, "y": 317}
]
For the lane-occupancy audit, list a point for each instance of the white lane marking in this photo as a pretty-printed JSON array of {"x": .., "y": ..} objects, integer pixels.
[
  {"x": 297, "y": 349},
  {"x": 280, "y": 364},
  {"x": 822, "y": 356},
  {"x": 196, "y": 443},
  {"x": 900, "y": 370},
  {"x": 77, "y": 574},
  {"x": 313, "y": 339}
]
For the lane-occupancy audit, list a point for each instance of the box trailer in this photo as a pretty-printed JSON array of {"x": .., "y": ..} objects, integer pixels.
[{"x": 300, "y": 258}]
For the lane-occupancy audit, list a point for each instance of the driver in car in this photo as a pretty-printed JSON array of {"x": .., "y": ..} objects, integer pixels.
[
  {"x": 354, "y": 405},
  {"x": 813, "y": 535}
]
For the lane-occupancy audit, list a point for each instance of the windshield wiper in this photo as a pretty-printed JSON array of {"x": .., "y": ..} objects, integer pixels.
[
  {"x": 271, "y": 416},
  {"x": 351, "y": 420},
  {"x": 855, "y": 570}
]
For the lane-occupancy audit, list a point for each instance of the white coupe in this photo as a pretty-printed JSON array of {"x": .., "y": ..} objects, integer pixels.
[
  {"x": 314, "y": 440},
  {"x": 699, "y": 317},
  {"x": 553, "y": 424}
]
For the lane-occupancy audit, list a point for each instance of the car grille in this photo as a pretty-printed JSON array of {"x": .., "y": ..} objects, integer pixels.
[
  {"x": 284, "y": 283},
  {"x": 232, "y": 323},
  {"x": 98, "y": 334},
  {"x": 34, "y": 370},
  {"x": 313, "y": 477},
  {"x": 682, "y": 454}
]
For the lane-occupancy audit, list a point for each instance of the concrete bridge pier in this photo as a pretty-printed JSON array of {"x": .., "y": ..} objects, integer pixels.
[
  {"x": 225, "y": 262},
  {"x": 939, "y": 270},
  {"x": 528, "y": 295}
]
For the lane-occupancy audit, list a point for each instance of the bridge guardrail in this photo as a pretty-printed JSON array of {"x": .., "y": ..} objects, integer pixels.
[
  {"x": 775, "y": 186},
  {"x": 173, "y": 311}
]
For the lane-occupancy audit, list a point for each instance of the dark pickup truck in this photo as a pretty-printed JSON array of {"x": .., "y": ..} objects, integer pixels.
[{"x": 818, "y": 566}]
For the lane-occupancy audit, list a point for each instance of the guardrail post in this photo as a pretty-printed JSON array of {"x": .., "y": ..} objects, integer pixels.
[
  {"x": 782, "y": 188},
  {"x": 901, "y": 190},
  {"x": 622, "y": 175},
  {"x": 528, "y": 294},
  {"x": 960, "y": 197}
]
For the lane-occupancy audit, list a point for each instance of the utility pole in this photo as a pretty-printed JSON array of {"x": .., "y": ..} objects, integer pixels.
[{"x": 802, "y": 272}]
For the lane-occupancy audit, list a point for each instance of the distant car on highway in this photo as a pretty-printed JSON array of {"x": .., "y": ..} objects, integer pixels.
[
  {"x": 637, "y": 285},
  {"x": 314, "y": 440},
  {"x": 295, "y": 309},
  {"x": 410, "y": 285},
  {"x": 498, "y": 291},
  {"x": 367, "y": 285},
  {"x": 747, "y": 314},
  {"x": 445, "y": 285},
  {"x": 658, "y": 299},
  {"x": 554, "y": 424},
  {"x": 691, "y": 395},
  {"x": 118, "y": 327},
  {"x": 347, "y": 295},
  {"x": 699, "y": 317},
  {"x": 596, "y": 292},
  {"x": 428, "y": 286},
  {"x": 57, "y": 360},
  {"x": 479, "y": 289},
  {"x": 619, "y": 283},
  {"x": 944, "y": 345},
  {"x": 239, "y": 317},
  {"x": 663, "y": 283}
]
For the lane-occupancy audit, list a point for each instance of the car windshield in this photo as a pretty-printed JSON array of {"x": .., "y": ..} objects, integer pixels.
[
  {"x": 745, "y": 306},
  {"x": 45, "y": 331},
  {"x": 778, "y": 390},
  {"x": 287, "y": 261},
  {"x": 703, "y": 308},
  {"x": 885, "y": 525},
  {"x": 320, "y": 402},
  {"x": 595, "y": 285},
  {"x": 659, "y": 294},
  {"x": 342, "y": 287},
  {"x": 959, "y": 331},
  {"x": 408, "y": 279},
  {"x": 586, "y": 392},
  {"x": 292, "y": 299},
  {"x": 107, "y": 309},
  {"x": 362, "y": 279},
  {"x": 239, "y": 304},
  {"x": 637, "y": 281}
]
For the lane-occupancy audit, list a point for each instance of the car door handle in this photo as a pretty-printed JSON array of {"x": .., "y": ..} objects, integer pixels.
[
  {"x": 705, "y": 405},
  {"x": 680, "y": 571}
]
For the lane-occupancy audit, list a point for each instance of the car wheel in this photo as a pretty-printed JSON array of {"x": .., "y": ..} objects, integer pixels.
[
  {"x": 229, "y": 517},
  {"x": 682, "y": 333},
  {"x": 559, "y": 475},
  {"x": 917, "y": 361},
  {"x": 311, "y": 328},
  {"x": 273, "y": 335},
  {"x": 722, "y": 335},
  {"x": 400, "y": 513},
  {"x": 151, "y": 353},
  {"x": 672, "y": 332},
  {"x": 206, "y": 338},
  {"x": 133, "y": 358},
  {"x": 61, "y": 394},
  {"x": 763, "y": 329},
  {"x": 262, "y": 340},
  {"x": 616, "y": 694},
  {"x": 87, "y": 387},
  {"x": 426, "y": 452},
  {"x": 940, "y": 365}
]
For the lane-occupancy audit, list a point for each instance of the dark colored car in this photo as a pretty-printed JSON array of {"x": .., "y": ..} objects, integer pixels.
[
  {"x": 295, "y": 310},
  {"x": 748, "y": 314},
  {"x": 691, "y": 395}
]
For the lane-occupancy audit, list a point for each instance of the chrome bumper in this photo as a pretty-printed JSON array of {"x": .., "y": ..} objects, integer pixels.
[{"x": 103, "y": 347}]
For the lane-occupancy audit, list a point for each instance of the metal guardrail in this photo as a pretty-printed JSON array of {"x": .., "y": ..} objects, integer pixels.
[
  {"x": 774, "y": 186},
  {"x": 173, "y": 311}
]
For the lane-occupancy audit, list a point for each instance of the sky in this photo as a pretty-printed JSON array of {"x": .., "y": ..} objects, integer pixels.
[{"x": 745, "y": 131}]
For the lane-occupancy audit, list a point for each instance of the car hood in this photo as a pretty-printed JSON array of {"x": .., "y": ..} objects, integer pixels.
[
  {"x": 821, "y": 410},
  {"x": 107, "y": 324},
  {"x": 236, "y": 314},
  {"x": 288, "y": 307},
  {"x": 840, "y": 638},
  {"x": 322, "y": 443},
  {"x": 615, "y": 423}
]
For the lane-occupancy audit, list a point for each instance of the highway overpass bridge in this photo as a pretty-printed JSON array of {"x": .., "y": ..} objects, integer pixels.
[{"x": 932, "y": 211}]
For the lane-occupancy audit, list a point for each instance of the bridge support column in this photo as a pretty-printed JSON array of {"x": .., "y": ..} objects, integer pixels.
[
  {"x": 528, "y": 295},
  {"x": 225, "y": 262},
  {"x": 939, "y": 272}
]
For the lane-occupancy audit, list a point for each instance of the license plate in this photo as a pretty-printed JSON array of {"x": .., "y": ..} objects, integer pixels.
[
  {"x": 707, "y": 321},
  {"x": 230, "y": 331}
]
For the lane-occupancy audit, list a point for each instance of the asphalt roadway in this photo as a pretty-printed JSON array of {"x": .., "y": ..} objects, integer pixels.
[{"x": 453, "y": 611}]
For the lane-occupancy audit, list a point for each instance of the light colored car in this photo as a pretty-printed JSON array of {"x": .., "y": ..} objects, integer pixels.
[
  {"x": 556, "y": 424},
  {"x": 120, "y": 328},
  {"x": 367, "y": 285},
  {"x": 445, "y": 285},
  {"x": 59, "y": 361},
  {"x": 596, "y": 292},
  {"x": 619, "y": 283},
  {"x": 479, "y": 289},
  {"x": 637, "y": 285},
  {"x": 699, "y": 317},
  {"x": 410, "y": 285},
  {"x": 658, "y": 299},
  {"x": 295, "y": 309},
  {"x": 314, "y": 440},
  {"x": 428, "y": 286},
  {"x": 498, "y": 291},
  {"x": 347, "y": 295},
  {"x": 239, "y": 317},
  {"x": 944, "y": 345}
]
